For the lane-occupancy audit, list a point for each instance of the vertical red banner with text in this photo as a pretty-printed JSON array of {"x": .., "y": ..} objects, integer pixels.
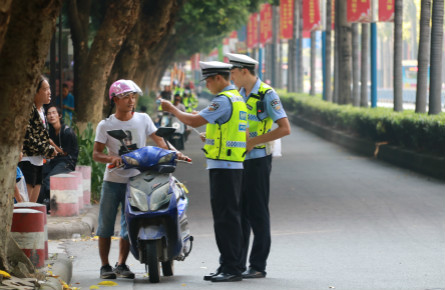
[
  {"x": 386, "y": 10},
  {"x": 249, "y": 33},
  {"x": 266, "y": 24},
  {"x": 252, "y": 31},
  {"x": 311, "y": 15},
  {"x": 254, "y": 19},
  {"x": 358, "y": 11},
  {"x": 286, "y": 18}
]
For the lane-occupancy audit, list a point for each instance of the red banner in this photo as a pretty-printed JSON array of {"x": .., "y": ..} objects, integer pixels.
[
  {"x": 311, "y": 15},
  {"x": 286, "y": 18},
  {"x": 234, "y": 34},
  {"x": 359, "y": 11},
  {"x": 386, "y": 10},
  {"x": 252, "y": 31},
  {"x": 266, "y": 24}
]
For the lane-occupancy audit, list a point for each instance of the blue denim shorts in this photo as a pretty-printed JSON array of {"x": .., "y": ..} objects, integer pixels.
[{"x": 111, "y": 196}]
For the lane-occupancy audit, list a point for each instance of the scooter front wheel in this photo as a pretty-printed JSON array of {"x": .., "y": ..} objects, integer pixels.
[
  {"x": 167, "y": 268},
  {"x": 152, "y": 264}
]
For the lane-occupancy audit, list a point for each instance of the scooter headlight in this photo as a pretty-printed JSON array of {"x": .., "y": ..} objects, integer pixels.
[
  {"x": 138, "y": 199},
  {"x": 160, "y": 197},
  {"x": 167, "y": 158}
]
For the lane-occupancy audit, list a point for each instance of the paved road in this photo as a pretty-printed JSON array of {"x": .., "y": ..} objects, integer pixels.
[{"x": 340, "y": 221}]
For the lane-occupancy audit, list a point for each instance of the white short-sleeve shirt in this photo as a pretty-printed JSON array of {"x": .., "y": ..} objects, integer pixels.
[{"x": 138, "y": 128}]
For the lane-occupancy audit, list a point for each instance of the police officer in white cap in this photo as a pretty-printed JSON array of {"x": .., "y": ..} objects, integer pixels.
[
  {"x": 225, "y": 149},
  {"x": 264, "y": 108}
]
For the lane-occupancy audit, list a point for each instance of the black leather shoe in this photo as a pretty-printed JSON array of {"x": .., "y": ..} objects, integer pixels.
[
  {"x": 209, "y": 276},
  {"x": 225, "y": 277},
  {"x": 252, "y": 273}
]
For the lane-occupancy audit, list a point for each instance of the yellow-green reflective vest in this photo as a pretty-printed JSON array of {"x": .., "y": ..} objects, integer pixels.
[
  {"x": 228, "y": 141},
  {"x": 258, "y": 127},
  {"x": 190, "y": 102},
  {"x": 179, "y": 91}
]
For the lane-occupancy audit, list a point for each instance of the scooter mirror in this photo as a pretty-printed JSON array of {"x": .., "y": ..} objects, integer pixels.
[
  {"x": 164, "y": 132},
  {"x": 117, "y": 134}
]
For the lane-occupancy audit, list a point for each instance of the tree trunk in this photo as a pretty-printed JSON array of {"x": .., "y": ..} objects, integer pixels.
[
  {"x": 336, "y": 53},
  {"x": 436, "y": 58},
  {"x": 119, "y": 19},
  {"x": 398, "y": 51},
  {"x": 300, "y": 67},
  {"x": 355, "y": 65},
  {"x": 25, "y": 47},
  {"x": 328, "y": 52},
  {"x": 5, "y": 15},
  {"x": 291, "y": 53},
  {"x": 364, "y": 66},
  {"x": 160, "y": 57},
  {"x": 156, "y": 20},
  {"x": 313, "y": 58},
  {"x": 344, "y": 55},
  {"x": 423, "y": 57},
  {"x": 78, "y": 17}
]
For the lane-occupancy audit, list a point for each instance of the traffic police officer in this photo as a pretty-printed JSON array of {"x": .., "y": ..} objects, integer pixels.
[
  {"x": 225, "y": 149},
  {"x": 264, "y": 108}
]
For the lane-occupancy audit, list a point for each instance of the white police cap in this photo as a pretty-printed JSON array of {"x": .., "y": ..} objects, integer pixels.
[
  {"x": 241, "y": 60},
  {"x": 213, "y": 68}
]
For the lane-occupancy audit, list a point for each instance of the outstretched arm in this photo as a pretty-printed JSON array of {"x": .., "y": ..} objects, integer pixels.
[{"x": 193, "y": 120}]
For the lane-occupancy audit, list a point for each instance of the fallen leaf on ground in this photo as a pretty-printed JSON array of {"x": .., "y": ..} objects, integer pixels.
[
  {"x": 5, "y": 274},
  {"x": 107, "y": 283}
]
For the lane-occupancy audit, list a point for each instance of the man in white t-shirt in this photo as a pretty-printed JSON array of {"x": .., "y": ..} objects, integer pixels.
[{"x": 123, "y": 94}]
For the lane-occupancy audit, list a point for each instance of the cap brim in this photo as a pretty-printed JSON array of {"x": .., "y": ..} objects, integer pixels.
[{"x": 204, "y": 77}]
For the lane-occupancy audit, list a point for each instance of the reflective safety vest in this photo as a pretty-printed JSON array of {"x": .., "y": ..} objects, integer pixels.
[
  {"x": 190, "y": 102},
  {"x": 179, "y": 91},
  {"x": 228, "y": 141},
  {"x": 257, "y": 126}
]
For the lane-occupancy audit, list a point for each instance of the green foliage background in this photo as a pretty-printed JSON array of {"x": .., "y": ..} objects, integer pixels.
[
  {"x": 85, "y": 141},
  {"x": 418, "y": 132}
]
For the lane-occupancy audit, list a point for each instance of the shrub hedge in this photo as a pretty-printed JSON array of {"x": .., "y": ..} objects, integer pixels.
[{"x": 422, "y": 133}]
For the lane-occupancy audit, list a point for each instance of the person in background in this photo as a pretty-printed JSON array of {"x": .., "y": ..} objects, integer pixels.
[
  {"x": 177, "y": 102},
  {"x": 264, "y": 108},
  {"x": 190, "y": 101},
  {"x": 67, "y": 102},
  {"x": 36, "y": 145},
  {"x": 64, "y": 140},
  {"x": 20, "y": 193}
]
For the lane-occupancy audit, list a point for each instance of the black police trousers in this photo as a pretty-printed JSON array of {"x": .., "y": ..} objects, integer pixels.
[
  {"x": 255, "y": 215},
  {"x": 225, "y": 192}
]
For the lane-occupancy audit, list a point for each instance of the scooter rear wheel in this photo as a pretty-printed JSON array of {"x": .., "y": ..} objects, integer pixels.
[
  {"x": 152, "y": 264},
  {"x": 167, "y": 268}
]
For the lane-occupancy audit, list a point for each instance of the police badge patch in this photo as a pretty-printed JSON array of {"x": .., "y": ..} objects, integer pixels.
[
  {"x": 213, "y": 106},
  {"x": 276, "y": 104}
]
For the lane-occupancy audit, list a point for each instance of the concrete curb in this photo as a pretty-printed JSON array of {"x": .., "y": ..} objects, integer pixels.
[
  {"x": 429, "y": 165},
  {"x": 62, "y": 267},
  {"x": 66, "y": 230}
]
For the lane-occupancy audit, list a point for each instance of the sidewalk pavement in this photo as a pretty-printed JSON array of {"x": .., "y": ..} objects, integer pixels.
[{"x": 59, "y": 265}]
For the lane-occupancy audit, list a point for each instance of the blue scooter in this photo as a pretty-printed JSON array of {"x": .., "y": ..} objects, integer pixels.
[{"x": 155, "y": 208}]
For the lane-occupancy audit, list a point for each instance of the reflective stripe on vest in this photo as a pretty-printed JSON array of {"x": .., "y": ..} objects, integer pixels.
[
  {"x": 258, "y": 127},
  {"x": 228, "y": 141}
]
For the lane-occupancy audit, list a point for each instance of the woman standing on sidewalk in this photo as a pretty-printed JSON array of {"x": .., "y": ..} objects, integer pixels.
[{"x": 36, "y": 145}]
